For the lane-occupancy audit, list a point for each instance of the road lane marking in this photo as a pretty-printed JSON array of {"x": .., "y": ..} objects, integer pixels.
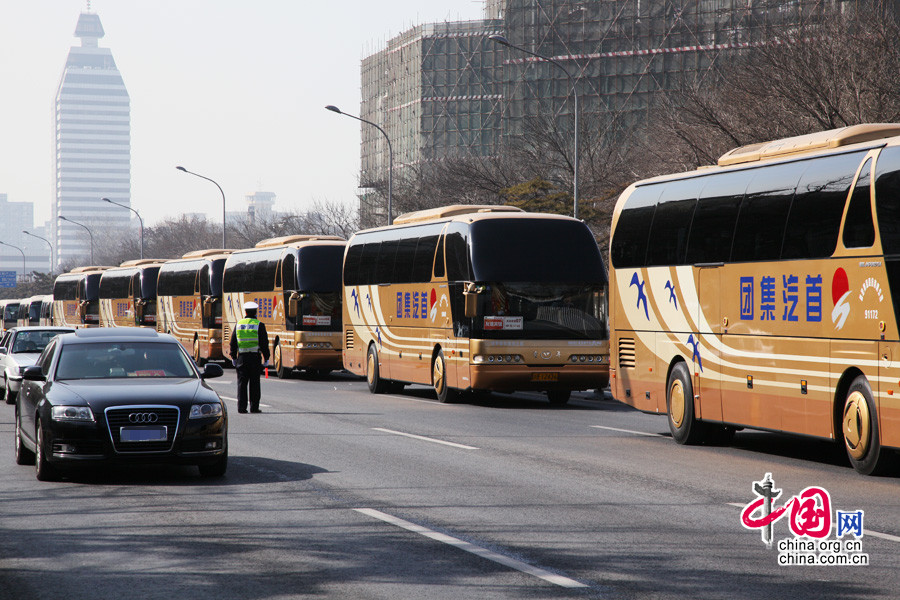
[
  {"x": 425, "y": 439},
  {"x": 869, "y": 532},
  {"x": 261, "y": 405},
  {"x": 628, "y": 431},
  {"x": 512, "y": 563}
]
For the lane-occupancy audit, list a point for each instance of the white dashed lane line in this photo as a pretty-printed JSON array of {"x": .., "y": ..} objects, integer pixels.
[
  {"x": 627, "y": 431},
  {"x": 425, "y": 439},
  {"x": 512, "y": 563}
]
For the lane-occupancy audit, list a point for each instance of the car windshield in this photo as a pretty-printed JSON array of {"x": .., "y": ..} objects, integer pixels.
[
  {"x": 111, "y": 360},
  {"x": 34, "y": 341}
]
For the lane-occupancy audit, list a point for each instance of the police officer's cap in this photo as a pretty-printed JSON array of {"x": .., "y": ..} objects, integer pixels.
[{"x": 250, "y": 305}]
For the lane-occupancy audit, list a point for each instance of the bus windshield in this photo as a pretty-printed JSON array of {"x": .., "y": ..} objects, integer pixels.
[{"x": 535, "y": 251}]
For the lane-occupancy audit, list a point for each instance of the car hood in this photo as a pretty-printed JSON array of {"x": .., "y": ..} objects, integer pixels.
[
  {"x": 23, "y": 359},
  {"x": 102, "y": 394}
]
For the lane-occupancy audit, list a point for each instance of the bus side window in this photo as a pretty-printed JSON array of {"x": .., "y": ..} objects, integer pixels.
[
  {"x": 629, "y": 245},
  {"x": 457, "y": 255},
  {"x": 424, "y": 262},
  {"x": 204, "y": 280},
  {"x": 717, "y": 210},
  {"x": 288, "y": 273},
  {"x": 887, "y": 190},
  {"x": 672, "y": 221},
  {"x": 764, "y": 211},
  {"x": 439, "y": 260},
  {"x": 859, "y": 230},
  {"x": 404, "y": 261},
  {"x": 818, "y": 205},
  {"x": 351, "y": 265}
]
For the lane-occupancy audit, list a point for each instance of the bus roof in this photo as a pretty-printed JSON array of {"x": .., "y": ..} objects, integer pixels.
[
  {"x": 290, "y": 240},
  {"x": 82, "y": 270},
  {"x": 209, "y": 253},
  {"x": 142, "y": 262},
  {"x": 803, "y": 144},
  {"x": 443, "y": 212}
]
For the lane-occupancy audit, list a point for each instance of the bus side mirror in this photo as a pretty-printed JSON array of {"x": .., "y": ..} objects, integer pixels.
[
  {"x": 470, "y": 293},
  {"x": 293, "y": 305}
]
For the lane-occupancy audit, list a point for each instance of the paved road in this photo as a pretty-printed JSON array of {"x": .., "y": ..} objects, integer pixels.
[{"x": 334, "y": 492}]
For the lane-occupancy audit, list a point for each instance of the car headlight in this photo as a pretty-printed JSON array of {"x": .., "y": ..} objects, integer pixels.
[
  {"x": 202, "y": 411},
  {"x": 71, "y": 413}
]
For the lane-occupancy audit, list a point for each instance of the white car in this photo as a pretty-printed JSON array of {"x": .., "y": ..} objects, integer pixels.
[{"x": 20, "y": 348}]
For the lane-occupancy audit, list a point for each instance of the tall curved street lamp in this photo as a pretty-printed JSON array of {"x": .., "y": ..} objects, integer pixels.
[
  {"x": 182, "y": 169},
  {"x": 48, "y": 243},
  {"x": 24, "y": 271},
  {"x": 505, "y": 42},
  {"x": 62, "y": 218},
  {"x": 137, "y": 214},
  {"x": 390, "y": 207}
]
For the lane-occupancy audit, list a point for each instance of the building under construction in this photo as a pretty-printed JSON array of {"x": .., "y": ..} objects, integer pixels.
[{"x": 447, "y": 90}]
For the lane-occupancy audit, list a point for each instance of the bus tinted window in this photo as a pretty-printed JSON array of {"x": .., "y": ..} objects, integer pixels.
[
  {"x": 148, "y": 282},
  {"x": 457, "y": 253},
  {"x": 424, "y": 259},
  {"x": 887, "y": 199},
  {"x": 384, "y": 267},
  {"x": 629, "y": 245},
  {"x": 114, "y": 284},
  {"x": 859, "y": 230},
  {"x": 367, "y": 263},
  {"x": 536, "y": 251},
  {"x": 215, "y": 277},
  {"x": 351, "y": 265},
  {"x": 672, "y": 222},
  {"x": 815, "y": 217},
  {"x": 439, "y": 260},
  {"x": 177, "y": 279},
  {"x": 251, "y": 271},
  {"x": 717, "y": 210},
  {"x": 64, "y": 288},
  {"x": 404, "y": 261},
  {"x": 319, "y": 268},
  {"x": 764, "y": 212},
  {"x": 92, "y": 286}
]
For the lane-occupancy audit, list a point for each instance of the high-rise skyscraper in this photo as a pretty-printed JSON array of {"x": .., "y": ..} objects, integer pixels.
[{"x": 93, "y": 145}]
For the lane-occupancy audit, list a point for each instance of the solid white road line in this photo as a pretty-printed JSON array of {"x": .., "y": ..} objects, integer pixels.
[
  {"x": 512, "y": 563},
  {"x": 425, "y": 439},
  {"x": 261, "y": 405},
  {"x": 627, "y": 431},
  {"x": 869, "y": 532}
]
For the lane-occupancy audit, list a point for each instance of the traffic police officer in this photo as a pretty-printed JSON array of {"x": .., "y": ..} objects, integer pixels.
[{"x": 249, "y": 349}]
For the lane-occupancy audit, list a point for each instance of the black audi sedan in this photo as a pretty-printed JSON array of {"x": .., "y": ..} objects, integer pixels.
[{"x": 119, "y": 395}]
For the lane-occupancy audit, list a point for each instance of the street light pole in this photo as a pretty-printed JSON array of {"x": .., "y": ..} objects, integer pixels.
[
  {"x": 180, "y": 168},
  {"x": 505, "y": 42},
  {"x": 140, "y": 220},
  {"x": 86, "y": 229},
  {"x": 23, "y": 258},
  {"x": 48, "y": 243},
  {"x": 390, "y": 208}
]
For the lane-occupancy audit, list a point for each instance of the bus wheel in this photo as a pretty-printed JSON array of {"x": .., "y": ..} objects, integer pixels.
[
  {"x": 859, "y": 427},
  {"x": 280, "y": 370},
  {"x": 558, "y": 397},
  {"x": 197, "y": 358},
  {"x": 680, "y": 405},
  {"x": 376, "y": 384},
  {"x": 439, "y": 379}
]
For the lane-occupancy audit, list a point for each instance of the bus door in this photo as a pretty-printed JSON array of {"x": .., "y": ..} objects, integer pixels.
[{"x": 705, "y": 351}]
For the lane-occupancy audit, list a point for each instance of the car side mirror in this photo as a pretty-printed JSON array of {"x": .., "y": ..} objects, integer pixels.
[
  {"x": 211, "y": 370},
  {"x": 34, "y": 373}
]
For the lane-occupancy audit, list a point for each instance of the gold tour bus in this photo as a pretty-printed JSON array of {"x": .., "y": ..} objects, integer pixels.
[
  {"x": 296, "y": 281},
  {"x": 128, "y": 294},
  {"x": 189, "y": 302},
  {"x": 76, "y": 298},
  {"x": 763, "y": 293},
  {"x": 35, "y": 311},
  {"x": 9, "y": 309},
  {"x": 481, "y": 298}
]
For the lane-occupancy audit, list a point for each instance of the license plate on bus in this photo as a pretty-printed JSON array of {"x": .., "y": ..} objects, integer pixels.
[
  {"x": 143, "y": 434},
  {"x": 545, "y": 376}
]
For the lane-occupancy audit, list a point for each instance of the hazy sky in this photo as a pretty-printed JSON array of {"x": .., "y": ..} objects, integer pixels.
[{"x": 232, "y": 90}]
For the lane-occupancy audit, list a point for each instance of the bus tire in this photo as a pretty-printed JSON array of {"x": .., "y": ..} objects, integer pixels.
[
  {"x": 859, "y": 429},
  {"x": 680, "y": 407},
  {"x": 558, "y": 397},
  {"x": 197, "y": 358},
  {"x": 442, "y": 389},
  {"x": 280, "y": 370},
  {"x": 377, "y": 385}
]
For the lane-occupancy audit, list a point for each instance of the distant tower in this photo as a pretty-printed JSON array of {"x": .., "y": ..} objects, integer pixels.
[
  {"x": 93, "y": 145},
  {"x": 260, "y": 205}
]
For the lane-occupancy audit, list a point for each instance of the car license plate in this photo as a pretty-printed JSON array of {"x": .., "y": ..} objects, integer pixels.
[
  {"x": 545, "y": 376},
  {"x": 143, "y": 434}
]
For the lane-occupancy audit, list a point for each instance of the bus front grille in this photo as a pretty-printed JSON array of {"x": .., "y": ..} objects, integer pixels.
[{"x": 626, "y": 353}]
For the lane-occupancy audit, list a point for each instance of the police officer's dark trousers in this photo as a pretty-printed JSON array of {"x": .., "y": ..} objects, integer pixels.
[{"x": 249, "y": 368}]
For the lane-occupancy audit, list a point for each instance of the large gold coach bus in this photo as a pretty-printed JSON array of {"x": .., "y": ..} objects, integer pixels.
[
  {"x": 76, "y": 298},
  {"x": 483, "y": 298},
  {"x": 128, "y": 294},
  {"x": 763, "y": 293},
  {"x": 189, "y": 302},
  {"x": 296, "y": 281}
]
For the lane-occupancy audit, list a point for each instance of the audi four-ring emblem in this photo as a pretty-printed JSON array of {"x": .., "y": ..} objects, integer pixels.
[{"x": 143, "y": 418}]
